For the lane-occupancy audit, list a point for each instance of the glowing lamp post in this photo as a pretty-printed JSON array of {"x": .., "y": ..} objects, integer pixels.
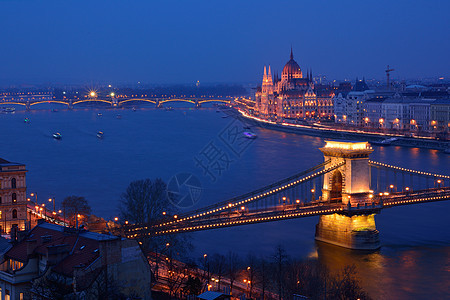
[{"x": 54, "y": 203}]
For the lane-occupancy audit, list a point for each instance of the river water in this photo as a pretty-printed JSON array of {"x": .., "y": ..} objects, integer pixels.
[{"x": 413, "y": 263}]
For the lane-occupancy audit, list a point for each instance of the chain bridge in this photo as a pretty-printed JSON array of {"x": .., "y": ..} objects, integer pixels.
[{"x": 347, "y": 190}]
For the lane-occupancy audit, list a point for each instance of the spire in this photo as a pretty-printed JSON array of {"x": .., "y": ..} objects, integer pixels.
[
  {"x": 265, "y": 74},
  {"x": 310, "y": 74},
  {"x": 292, "y": 55},
  {"x": 269, "y": 77}
]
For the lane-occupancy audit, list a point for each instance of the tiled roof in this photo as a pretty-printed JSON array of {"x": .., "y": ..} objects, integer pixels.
[{"x": 82, "y": 246}]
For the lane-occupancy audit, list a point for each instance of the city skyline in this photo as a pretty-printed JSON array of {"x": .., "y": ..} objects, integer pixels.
[{"x": 170, "y": 42}]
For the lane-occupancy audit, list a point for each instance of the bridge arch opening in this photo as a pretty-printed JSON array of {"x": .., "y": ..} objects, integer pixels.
[{"x": 336, "y": 187}]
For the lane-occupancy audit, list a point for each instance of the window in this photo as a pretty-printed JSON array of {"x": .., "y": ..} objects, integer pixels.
[
  {"x": 0, "y": 199},
  {"x": 14, "y": 197},
  {"x": 13, "y": 183},
  {"x": 14, "y": 214}
]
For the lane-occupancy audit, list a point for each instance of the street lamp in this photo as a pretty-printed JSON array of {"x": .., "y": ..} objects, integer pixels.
[
  {"x": 54, "y": 203},
  {"x": 35, "y": 197}
]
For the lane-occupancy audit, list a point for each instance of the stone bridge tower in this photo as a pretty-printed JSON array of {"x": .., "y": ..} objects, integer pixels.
[{"x": 349, "y": 185}]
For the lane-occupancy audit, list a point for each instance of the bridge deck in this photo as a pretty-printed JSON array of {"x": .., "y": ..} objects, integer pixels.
[{"x": 284, "y": 212}]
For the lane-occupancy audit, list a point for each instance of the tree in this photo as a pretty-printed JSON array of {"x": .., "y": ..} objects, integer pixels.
[
  {"x": 144, "y": 201},
  {"x": 218, "y": 267},
  {"x": 262, "y": 275},
  {"x": 345, "y": 285},
  {"x": 279, "y": 259},
  {"x": 75, "y": 205},
  {"x": 193, "y": 286},
  {"x": 233, "y": 264}
]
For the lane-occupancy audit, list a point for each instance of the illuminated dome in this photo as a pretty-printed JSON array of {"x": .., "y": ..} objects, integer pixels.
[{"x": 291, "y": 69}]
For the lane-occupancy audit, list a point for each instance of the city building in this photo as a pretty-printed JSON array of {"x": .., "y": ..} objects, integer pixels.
[
  {"x": 292, "y": 96},
  {"x": 13, "y": 200},
  {"x": 54, "y": 260}
]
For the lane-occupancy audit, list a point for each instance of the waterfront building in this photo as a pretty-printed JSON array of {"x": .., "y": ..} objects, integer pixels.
[
  {"x": 292, "y": 96},
  {"x": 440, "y": 115},
  {"x": 408, "y": 113},
  {"x": 373, "y": 116},
  {"x": 13, "y": 200},
  {"x": 348, "y": 105},
  {"x": 55, "y": 259},
  {"x": 23, "y": 97}
]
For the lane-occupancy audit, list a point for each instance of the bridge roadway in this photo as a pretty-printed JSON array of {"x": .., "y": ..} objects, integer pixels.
[{"x": 291, "y": 211}]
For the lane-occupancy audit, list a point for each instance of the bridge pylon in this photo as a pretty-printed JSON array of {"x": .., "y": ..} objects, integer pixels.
[{"x": 349, "y": 184}]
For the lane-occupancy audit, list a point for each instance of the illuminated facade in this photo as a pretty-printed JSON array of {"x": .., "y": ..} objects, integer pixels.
[
  {"x": 292, "y": 96},
  {"x": 13, "y": 201},
  {"x": 350, "y": 185}
]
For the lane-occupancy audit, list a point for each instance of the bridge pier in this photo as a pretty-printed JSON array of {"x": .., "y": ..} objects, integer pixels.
[
  {"x": 115, "y": 102},
  {"x": 356, "y": 232},
  {"x": 348, "y": 184},
  {"x": 158, "y": 104},
  {"x": 28, "y": 105},
  {"x": 197, "y": 104}
]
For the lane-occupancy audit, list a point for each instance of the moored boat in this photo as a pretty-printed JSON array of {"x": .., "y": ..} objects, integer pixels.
[{"x": 100, "y": 134}]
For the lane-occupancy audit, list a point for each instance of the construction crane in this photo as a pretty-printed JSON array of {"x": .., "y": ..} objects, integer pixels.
[{"x": 388, "y": 71}]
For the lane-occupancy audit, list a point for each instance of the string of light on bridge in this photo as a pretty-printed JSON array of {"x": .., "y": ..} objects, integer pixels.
[
  {"x": 408, "y": 170},
  {"x": 243, "y": 222},
  {"x": 248, "y": 200}
]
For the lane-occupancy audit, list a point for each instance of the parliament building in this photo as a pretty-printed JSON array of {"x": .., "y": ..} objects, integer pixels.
[{"x": 293, "y": 96}]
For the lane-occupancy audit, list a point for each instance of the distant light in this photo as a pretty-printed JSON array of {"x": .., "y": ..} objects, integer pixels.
[
  {"x": 92, "y": 94},
  {"x": 116, "y": 219},
  {"x": 112, "y": 94}
]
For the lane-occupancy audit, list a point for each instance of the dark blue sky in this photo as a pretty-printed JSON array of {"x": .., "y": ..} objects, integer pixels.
[{"x": 219, "y": 41}]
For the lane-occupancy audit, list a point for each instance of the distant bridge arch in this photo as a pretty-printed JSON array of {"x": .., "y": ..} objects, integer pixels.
[
  {"x": 48, "y": 102},
  {"x": 91, "y": 100},
  {"x": 178, "y": 100},
  {"x": 13, "y": 103},
  {"x": 214, "y": 100},
  {"x": 137, "y": 99}
]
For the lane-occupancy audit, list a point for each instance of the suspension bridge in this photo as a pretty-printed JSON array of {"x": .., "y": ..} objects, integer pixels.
[
  {"x": 118, "y": 102},
  {"x": 347, "y": 190}
]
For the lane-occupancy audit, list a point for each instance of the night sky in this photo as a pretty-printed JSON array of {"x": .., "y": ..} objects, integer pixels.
[{"x": 219, "y": 41}]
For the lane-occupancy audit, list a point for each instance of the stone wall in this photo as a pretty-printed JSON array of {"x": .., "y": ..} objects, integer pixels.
[{"x": 355, "y": 232}]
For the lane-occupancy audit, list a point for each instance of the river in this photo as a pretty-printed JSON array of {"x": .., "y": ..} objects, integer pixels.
[{"x": 414, "y": 261}]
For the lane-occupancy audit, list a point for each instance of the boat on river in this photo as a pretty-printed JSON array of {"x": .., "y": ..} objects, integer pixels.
[
  {"x": 57, "y": 136},
  {"x": 9, "y": 110},
  {"x": 100, "y": 134},
  {"x": 385, "y": 142},
  {"x": 249, "y": 135},
  {"x": 26, "y": 120}
]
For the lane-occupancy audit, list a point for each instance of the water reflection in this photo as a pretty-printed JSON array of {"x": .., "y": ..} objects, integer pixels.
[{"x": 391, "y": 273}]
